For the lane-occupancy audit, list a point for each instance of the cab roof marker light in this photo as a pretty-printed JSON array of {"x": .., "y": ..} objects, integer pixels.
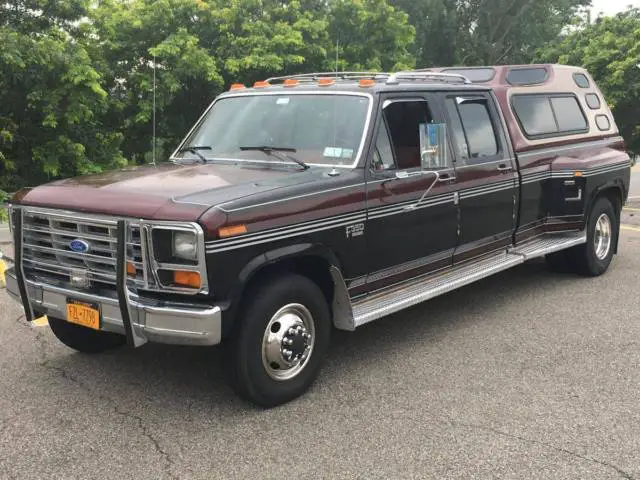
[
  {"x": 326, "y": 82},
  {"x": 237, "y": 86},
  {"x": 261, "y": 85},
  {"x": 367, "y": 82},
  {"x": 290, "y": 82}
]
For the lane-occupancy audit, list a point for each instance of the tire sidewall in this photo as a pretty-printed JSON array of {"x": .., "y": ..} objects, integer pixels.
[
  {"x": 278, "y": 292},
  {"x": 595, "y": 265},
  {"x": 83, "y": 339}
]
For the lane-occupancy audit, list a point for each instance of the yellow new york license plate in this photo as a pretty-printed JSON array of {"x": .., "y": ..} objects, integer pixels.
[{"x": 83, "y": 313}]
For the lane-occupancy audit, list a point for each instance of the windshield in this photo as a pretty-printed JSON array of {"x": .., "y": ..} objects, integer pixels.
[{"x": 321, "y": 129}]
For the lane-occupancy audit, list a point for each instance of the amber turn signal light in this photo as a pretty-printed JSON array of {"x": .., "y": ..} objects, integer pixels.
[
  {"x": 187, "y": 279},
  {"x": 231, "y": 230},
  {"x": 131, "y": 269}
]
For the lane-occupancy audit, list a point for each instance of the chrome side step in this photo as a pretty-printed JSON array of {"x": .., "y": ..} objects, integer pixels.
[
  {"x": 416, "y": 291},
  {"x": 549, "y": 243}
]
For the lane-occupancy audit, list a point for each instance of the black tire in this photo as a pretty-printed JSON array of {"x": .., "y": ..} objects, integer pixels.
[
  {"x": 84, "y": 339},
  {"x": 244, "y": 352},
  {"x": 560, "y": 262},
  {"x": 584, "y": 257}
]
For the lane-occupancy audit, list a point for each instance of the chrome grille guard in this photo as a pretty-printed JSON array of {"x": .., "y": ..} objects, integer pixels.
[{"x": 135, "y": 338}]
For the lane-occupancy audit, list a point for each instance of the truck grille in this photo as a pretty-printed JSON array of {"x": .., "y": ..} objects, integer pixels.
[{"x": 47, "y": 249}]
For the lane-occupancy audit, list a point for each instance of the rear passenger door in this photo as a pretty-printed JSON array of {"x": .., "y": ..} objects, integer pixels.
[{"x": 486, "y": 174}]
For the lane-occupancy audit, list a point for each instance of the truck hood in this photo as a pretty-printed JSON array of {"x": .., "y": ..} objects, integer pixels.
[{"x": 164, "y": 192}]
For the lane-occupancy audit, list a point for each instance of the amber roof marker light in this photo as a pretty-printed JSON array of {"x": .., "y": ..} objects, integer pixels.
[
  {"x": 326, "y": 82},
  {"x": 261, "y": 84},
  {"x": 237, "y": 86},
  {"x": 291, "y": 82},
  {"x": 367, "y": 82}
]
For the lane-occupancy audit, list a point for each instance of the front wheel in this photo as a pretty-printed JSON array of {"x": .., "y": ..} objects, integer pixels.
[{"x": 284, "y": 332}]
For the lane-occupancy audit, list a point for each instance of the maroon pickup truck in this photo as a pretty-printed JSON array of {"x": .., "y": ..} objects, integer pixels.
[{"x": 322, "y": 201}]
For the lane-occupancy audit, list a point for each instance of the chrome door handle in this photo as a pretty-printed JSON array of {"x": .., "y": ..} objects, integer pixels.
[
  {"x": 503, "y": 167},
  {"x": 445, "y": 177}
]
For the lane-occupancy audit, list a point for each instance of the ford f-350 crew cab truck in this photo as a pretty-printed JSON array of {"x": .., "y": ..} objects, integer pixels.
[{"x": 323, "y": 201}]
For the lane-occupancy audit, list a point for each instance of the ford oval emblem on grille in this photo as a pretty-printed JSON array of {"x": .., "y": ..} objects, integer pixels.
[{"x": 79, "y": 246}]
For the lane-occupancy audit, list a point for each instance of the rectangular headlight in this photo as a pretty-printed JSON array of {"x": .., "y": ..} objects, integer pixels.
[{"x": 185, "y": 245}]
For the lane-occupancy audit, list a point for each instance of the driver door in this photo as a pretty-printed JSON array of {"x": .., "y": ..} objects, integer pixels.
[{"x": 412, "y": 212}]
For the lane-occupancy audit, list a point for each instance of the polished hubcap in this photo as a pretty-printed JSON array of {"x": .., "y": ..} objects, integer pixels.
[
  {"x": 288, "y": 342},
  {"x": 602, "y": 237}
]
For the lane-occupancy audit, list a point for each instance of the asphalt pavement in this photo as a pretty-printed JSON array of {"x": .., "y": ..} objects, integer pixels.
[{"x": 527, "y": 374}]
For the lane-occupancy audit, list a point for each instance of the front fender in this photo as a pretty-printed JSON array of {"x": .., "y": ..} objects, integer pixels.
[{"x": 340, "y": 305}]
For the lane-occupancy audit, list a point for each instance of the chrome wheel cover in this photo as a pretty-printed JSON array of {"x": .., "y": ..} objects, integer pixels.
[
  {"x": 287, "y": 343},
  {"x": 602, "y": 237}
]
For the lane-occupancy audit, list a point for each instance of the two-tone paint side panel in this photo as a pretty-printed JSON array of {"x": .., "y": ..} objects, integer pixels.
[
  {"x": 327, "y": 219},
  {"x": 558, "y": 183}
]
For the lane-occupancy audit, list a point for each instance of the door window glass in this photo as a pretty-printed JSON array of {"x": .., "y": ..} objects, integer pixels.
[
  {"x": 478, "y": 129},
  {"x": 403, "y": 118},
  {"x": 383, "y": 153},
  {"x": 457, "y": 133}
]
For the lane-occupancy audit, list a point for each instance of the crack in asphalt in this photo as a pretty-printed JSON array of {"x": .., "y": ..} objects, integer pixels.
[
  {"x": 142, "y": 426},
  {"x": 565, "y": 451}
]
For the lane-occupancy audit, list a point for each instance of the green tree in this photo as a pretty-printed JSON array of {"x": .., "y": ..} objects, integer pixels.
[
  {"x": 369, "y": 35},
  {"x": 485, "y": 32},
  {"x": 50, "y": 95},
  {"x": 201, "y": 47},
  {"x": 76, "y": 76},
  {"x": 610, "y": 50}
]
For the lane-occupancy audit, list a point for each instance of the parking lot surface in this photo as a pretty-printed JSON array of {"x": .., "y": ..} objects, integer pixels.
[{"x": 528, "y": 374}]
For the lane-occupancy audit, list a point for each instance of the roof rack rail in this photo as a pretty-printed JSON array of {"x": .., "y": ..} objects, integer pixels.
[
  {"x": 341, "y": 75},
  {"x": 422, "y": 75},
  {"x": 389, "y": 78}
]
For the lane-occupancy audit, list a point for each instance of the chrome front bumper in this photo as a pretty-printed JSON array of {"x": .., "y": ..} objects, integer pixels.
[{"x": 151, "y": 320}]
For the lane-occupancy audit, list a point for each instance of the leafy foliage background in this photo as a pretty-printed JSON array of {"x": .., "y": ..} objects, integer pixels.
[{"x": 76, "y": 75}]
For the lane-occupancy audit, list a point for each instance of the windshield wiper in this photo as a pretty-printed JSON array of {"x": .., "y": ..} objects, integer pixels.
[
  {"x": 278, "y": 152},
  {"x": 194, "y": 149}
]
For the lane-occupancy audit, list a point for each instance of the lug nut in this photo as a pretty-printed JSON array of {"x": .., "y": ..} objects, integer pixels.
[
  {"x": 292, "y": 331},
  {"x": 287, "y": 341}
]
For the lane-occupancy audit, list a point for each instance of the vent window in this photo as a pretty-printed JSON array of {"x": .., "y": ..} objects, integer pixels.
[
  {"x": 476, "y": 75},
  {"x": 603, "y": 123},
  {"x": 581, "y": 80},
  {"x": 549, "y": 115},
  {"x": 593, "y": 101},
  {"x": 527, "y": 76}
]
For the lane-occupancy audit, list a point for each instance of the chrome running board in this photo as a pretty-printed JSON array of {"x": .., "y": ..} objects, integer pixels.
[{"x": 416, "y": 291}]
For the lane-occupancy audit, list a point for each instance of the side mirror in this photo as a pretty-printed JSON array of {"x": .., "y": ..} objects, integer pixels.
[{"x": 433, "y": 146}]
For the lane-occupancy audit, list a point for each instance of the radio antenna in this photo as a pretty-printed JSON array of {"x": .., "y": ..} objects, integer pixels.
[
  {"x": 334, "y": 172},
  {"x": 153, "y": 138},
  {"x": 337, "y": 55}
]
